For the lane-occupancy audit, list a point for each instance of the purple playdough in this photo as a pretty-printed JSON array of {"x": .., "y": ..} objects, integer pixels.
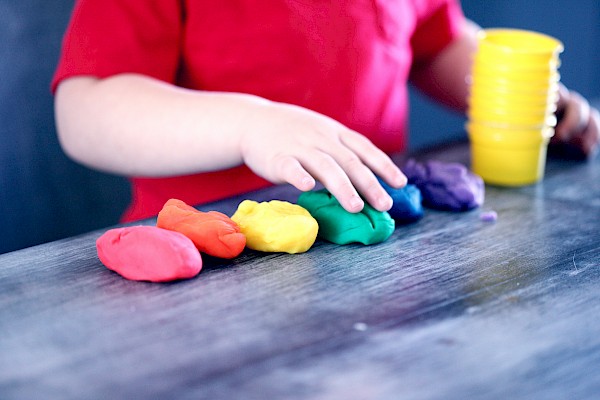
[
  {"x": 489, "y": 216},
  {"x": 445, "y": 186}
]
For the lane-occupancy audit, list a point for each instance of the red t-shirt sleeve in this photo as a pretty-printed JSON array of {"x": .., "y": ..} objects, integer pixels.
[
  {"x": 108, "y": 37},
  {"x": 439, "y": 23}
]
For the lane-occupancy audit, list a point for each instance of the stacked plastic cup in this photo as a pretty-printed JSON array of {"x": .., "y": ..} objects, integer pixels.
[{"x": 512, "y": 104}]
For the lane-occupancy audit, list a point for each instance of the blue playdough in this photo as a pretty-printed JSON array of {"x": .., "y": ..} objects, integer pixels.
[{"x": 407, "y": 205}]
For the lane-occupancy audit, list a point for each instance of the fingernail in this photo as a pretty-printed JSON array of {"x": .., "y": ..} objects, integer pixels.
[
  {"x": 385, "y": 202},
  {"x": 308, "y": 182},
  {"x": 356, "y": 203},
  {"x": 403, "y": 180},
  {"x": 400, "y": 179}
]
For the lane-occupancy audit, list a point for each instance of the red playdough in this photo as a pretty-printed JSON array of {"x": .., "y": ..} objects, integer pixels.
[
  {"x": 148, "y": 253},
  {"x": 212, "y": 232}
]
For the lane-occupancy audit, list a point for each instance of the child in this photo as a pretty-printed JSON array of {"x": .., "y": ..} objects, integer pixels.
[{"x": 207, "y": 99}]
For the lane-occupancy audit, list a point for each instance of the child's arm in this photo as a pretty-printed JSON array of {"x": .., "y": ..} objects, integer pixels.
[
  {"x": 445, "y": 77},
  {"x": 135, "y": 125}
]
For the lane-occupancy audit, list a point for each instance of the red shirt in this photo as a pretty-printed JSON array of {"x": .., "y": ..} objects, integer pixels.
[{"x": 349, "y": 60}]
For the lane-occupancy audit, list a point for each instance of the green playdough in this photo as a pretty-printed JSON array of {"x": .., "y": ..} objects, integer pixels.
[{"x": 339, "y": 226}]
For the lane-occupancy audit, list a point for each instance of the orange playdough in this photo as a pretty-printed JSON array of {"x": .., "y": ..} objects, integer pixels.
[{"x": 212, "y": 232}]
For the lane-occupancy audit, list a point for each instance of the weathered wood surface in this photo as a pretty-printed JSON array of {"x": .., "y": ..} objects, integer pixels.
[{"x": 448, "y": 307}]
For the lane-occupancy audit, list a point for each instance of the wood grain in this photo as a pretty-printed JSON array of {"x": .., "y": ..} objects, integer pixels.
[{"x": 448, "y": 307}]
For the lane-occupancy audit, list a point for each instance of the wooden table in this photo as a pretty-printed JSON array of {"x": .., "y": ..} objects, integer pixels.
[{"x": 450, "y": 307}]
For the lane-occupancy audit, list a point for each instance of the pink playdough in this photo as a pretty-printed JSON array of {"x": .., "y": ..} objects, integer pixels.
[{"x": 148, "y": 253}]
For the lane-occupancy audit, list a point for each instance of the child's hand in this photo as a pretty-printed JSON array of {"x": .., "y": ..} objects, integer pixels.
[
  {"x": 579, "y": 124},
  {"x": 300, "y": 146}
]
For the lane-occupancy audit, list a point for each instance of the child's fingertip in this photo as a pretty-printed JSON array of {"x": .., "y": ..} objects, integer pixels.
[
  {"x": 307, "y": 183},
  {"x": 399, "y": 180},
  {"x": 403, "y": 180},
  {"x": 355, "y": 204},
  {"x": 384, "y": 203}
]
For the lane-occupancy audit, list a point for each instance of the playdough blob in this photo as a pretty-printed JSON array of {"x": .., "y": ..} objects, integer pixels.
[
  {"x": 342, "y": 227},
  {"x": 446, "y": 186},
  {"x": 148, "y": 253},
  {"x": 407, "y": 205},
  {"x": 276, "y": 226},
  {"x": 489, "y": 216},
  {"x": 212, "y": 232}
]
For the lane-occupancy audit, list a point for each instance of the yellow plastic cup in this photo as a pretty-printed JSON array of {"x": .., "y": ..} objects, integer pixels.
[
  {"x": 517, "y": 47},
  {"x": 512, "y": 102},
  {"x": 516, "y": 88},
  {"x": 512, "y": 107},
  {"x": 515, "y": 118},
  {"x": 539, "y": 97},
  {"x": 498, "y": 104},
  {"x": 508, "y": 157},
  {"x": 522, "y": 125},
  {"x": 523, "y": 61},
  {"x": 495, "y": 74},
  {"x": 514, "y": 70},
  {"x": 490, "y": 133},
  {"x": 499, "y": 66},
  {"x": 516, "y": 166},
  {"x": 504, "y": 81}
]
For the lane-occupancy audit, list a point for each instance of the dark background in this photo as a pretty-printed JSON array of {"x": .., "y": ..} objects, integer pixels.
[{"x": 44, "y": 196}]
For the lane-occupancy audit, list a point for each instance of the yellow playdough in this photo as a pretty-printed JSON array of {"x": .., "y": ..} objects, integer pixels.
[{"x": 276, "y": 226}]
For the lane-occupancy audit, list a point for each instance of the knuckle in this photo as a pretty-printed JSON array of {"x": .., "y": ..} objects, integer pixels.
[
  {"x": 343, "y": 189},
  {"x": 326, "y": 163},
  {"x": 352, "y": 163}
]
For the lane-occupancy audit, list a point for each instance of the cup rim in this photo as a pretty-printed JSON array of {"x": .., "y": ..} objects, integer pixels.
[
  {"x": 532, "y": 42},
  {"x": 544, "y": 131},
  {"x": 551, "y": 121},
  {"x": 503, "y": 109},
  {"x": 481, "y": 114},
  {"x": 514, "y": 87},
  {"x": 506, "y": 78},
  {"x": 499, "y": 143},
  {"x": 484, "y": 60},
  {"x": 540, "y": 95},
  {"x": 512, "y": 98}
]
